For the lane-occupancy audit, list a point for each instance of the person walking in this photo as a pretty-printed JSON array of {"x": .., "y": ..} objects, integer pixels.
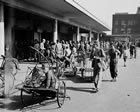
[
  {"x": 36, "y": 54},
  {"x": 48, "y": 48},
  {"x": 59, "y": 49},
  {"x": 67, "y": 54},
  {"x": 42, "y": 50},
  {"x": 125, "y": 56},
  {"x": 131, "y": 50},
  {"x": 113, "y": 55},
  {"x": 135, "y": 50},
  {"x": 97, "y": 57}
]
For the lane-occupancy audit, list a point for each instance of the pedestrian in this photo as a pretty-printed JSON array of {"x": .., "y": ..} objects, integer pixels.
[
  {"x": 97, "y": 56},
  {"x": 135, "y": 51},
  {"x": 131, "y": 50},
  {"x": 50, "y": 78},
  {"x": 67, "y": 54},
  {"x": 113, "y": 55},
  {"x": 125, "y": 56},
  {"x": 48, "y": 48},
  {"x": 59, "y": 49},
  {"x": 42, "y": 49},
  {"x": 36, "y": 46}
]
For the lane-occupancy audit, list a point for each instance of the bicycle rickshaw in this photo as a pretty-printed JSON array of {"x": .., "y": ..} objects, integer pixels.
[
  {"x": 83, "y": 64},
  {"x": 35, "y": 84}
]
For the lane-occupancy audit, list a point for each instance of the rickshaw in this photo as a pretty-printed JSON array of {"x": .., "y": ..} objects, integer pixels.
[
  {"x": 70, "y": 66},
  {"x": 83, "y": 64},
  {"x": 34, "y": 83}
]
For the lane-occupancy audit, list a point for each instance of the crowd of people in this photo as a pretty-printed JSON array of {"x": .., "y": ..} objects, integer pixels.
[{"x": 102, "y": 54}]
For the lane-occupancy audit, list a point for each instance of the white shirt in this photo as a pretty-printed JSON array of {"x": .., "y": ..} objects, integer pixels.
[
  {"x": 42, "y": 46},
  {"x": 67, "y": 52}
]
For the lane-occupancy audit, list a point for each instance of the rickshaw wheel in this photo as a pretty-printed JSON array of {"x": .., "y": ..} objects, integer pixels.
[{"x": 61, "y": 92}]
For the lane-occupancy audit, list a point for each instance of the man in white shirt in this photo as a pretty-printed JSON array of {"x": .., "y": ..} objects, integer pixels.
[
  {"x": 59, "y": 49},
  {"x": 42, "y": 48},
  {"x": 42, "y": 44}
]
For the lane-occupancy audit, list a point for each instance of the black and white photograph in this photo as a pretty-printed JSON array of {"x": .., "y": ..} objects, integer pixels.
[{"x": 69, "y": 55}]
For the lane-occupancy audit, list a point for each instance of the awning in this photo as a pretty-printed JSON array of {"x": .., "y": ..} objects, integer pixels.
[{"x": 67, "y": 10}]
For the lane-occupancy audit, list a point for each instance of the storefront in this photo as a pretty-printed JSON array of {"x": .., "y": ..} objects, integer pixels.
[{"x": 24, "y": 21}]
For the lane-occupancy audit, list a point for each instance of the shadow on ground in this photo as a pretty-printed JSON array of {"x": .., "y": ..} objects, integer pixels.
[
  {"x": 79, "y": 79},
  {"x": 106, "y": 80},
  {"x": 14, "y": 103},
  {"x": 82, "y": 89}
]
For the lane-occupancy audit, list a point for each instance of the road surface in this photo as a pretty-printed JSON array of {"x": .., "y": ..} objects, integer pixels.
[{"x": 120, "y": 96}]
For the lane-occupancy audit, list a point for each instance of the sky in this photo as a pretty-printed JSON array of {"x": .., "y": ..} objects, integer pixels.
[{"x": 104, "y": 9}]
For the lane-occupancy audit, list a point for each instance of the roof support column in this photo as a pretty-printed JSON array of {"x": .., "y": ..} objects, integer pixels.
[
  {"x": 1, "y": 29},
  {"x": 9, "y": 51},
  {"x": 90, "y": 36},
  {"x": 55, "y": 31},
  {"x": 98, "y": 35},
  {"x": 78, "y": 34}
]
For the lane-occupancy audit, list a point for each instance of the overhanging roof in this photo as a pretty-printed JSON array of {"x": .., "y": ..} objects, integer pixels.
[{"x": 68, "y": 10}]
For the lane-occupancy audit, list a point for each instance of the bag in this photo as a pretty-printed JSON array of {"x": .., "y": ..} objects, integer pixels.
[{"x": 104, "y": 66}]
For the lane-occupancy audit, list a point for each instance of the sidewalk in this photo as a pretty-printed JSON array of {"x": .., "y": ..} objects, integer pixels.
[
  {"x": 20, "y": 77},
  {"x": 126, "y": 90}
]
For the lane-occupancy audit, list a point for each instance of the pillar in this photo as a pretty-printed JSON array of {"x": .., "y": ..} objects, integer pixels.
[
  {"x": 1, "y": 36},
  {"x": 98, "y": 36},
  {"x": 55, "y": 31},
  {"x": 9, "y": 42},
  {"x": 9, "y": 37},
  {"x": 78, "y": 34},
  {"x": 90, "y": 36},
  {"x": 1, "y": 30}
]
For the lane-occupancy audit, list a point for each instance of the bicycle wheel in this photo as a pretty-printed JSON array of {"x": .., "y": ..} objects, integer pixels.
[{"x": 61, "y": 93}]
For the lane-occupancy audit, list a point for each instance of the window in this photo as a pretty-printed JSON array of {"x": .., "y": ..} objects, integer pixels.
[
  {"x": 135, "y": 22},
  {"x": 129, "y": 30},
  {"x": 130, "y": 22},
  {"x": 116, "y": 30},
  {"x": 116, "y": 22},
  {"x": 122, "y": 30},
  {"x": 122, "y": 22}
]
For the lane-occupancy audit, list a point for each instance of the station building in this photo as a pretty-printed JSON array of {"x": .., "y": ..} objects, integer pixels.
[{"x": 23, "y": 21}]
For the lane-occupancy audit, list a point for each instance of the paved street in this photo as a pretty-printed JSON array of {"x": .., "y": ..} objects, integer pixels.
[{"x": 120, "y": 96}]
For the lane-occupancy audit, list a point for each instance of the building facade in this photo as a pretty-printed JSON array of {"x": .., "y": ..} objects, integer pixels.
[
  {"x": 23, "y": 21},
  {"x": 127, "y": 25}
]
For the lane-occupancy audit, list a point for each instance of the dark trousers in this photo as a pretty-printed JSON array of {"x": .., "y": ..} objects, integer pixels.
[{"x": 114, "y": 69}]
